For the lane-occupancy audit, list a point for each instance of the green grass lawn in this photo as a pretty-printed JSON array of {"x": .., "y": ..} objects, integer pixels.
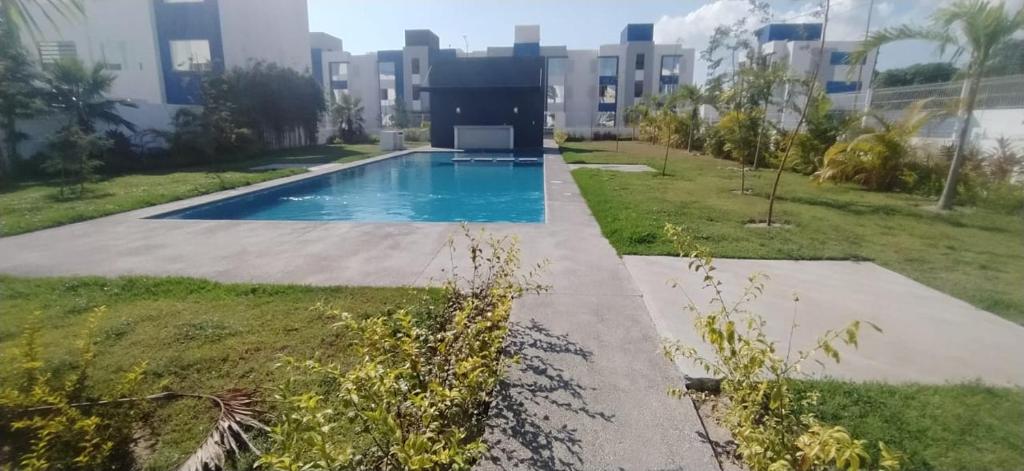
[
  {"x": 951, "y": 427},
  {"x": 198, "y": 336},
  {"x": 31, "y": 206},
  {"x": 974, "y": 254}
]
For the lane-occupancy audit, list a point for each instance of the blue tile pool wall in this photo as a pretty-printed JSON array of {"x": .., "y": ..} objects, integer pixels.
[{"x": 421, "y": 186}]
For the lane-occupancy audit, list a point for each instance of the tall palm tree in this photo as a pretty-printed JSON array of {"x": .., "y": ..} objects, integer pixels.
[
  {"x": 21, "y": 14},
  {"x": 348, "y": 114},
  {"x": 977, "y": 27},
  {"x": 80, "y": 92}
]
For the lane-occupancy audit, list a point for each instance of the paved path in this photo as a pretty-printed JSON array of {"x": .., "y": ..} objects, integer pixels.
[
  {"x": 928, "y": 336},
  {"x": 590, "y": 392}
]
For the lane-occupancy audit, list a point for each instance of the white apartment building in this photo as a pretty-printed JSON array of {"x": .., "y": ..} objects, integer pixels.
[
  {"x": 159, "y": 50},
  {"x": 797, "y": 46},
  {"x": 587, "y": 89}
]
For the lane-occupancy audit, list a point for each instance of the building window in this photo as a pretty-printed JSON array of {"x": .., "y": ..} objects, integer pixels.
[
  {"x": 638, "y": 89},
  {"x": 416, "y": 90},
  {"x": 556, "y": 79},
  {"x": 191, "y": 55},
  {"x": 606, "y": 119},
  {"x": 608, "y": 66},
  {"x": 384, "y": 94},
  {"x": 415, "y": 65},
  {"x": 338, "y": 71},
  {"x": 606, "y": 93},
  {"x": 668, "y": 82},
  {"x": 670, "y": 65},
  {"x": 338, "y": 93},
  {"x": 387, "y": 70},
  {"x": 51, "y": 52},
  {"x": 639, "y": 62},
  {"x": 184, "y": 1}
]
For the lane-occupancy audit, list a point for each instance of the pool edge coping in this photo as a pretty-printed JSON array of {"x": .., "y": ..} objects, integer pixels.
[{"x": 156, "y": 212}]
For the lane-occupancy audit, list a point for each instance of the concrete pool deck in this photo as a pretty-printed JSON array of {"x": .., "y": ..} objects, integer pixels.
[{"x": 590, "y": 391}]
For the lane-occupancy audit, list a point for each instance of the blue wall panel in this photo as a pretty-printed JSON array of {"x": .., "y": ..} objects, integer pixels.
[
  {"x": 637, "y": 32},
  {"x": 181, "y": 21},
  {"x": 841, "y": 87},
  {"x": 526, "y": 49}
]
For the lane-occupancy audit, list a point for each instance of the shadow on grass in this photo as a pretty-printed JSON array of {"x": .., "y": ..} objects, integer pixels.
[{"x": 518, "y": 436}]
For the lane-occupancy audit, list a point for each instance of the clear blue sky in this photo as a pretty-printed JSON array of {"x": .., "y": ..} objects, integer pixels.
[{"x": 366, "y": 25}]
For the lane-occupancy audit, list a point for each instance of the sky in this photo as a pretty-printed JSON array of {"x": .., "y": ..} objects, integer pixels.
[{"x": 371, "y": 25}]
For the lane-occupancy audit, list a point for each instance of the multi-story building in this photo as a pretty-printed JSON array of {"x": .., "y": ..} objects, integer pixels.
[
  {"x": 587, "y": 89},
  {"x": 797, "y": 46},
  {"x": 159, "y": 48}
]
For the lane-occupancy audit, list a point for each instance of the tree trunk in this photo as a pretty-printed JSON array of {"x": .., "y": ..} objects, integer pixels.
[
  {"x": 803, "y": 116},
  {"x": 664, "y": 164},
  {"x": 760, "y": 132},
  {"x": 968, "y": 95}
]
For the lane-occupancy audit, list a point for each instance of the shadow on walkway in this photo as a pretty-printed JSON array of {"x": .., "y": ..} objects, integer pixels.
[{"x": 519, "y": 436}]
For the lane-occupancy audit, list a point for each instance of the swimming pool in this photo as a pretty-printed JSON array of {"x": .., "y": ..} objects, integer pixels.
[{"x": 420, "y": 186}]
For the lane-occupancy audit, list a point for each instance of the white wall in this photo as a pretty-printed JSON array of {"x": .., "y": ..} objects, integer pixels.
[
  {"x": 124, "y": 31},
  {"x": 269, "y": 30}
]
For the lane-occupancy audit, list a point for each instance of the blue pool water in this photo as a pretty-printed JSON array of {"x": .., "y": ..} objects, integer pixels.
[{"x": 421, "y": 186}]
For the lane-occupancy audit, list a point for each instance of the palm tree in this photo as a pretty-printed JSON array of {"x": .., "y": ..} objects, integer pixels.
[
  {"x": 348, "y": 114},
  {"x": 877, "y": 158},
  {"x": 80, "y": 92},
  {"x": 21, "y": 14},
  {"x": 977, "y": 27}
]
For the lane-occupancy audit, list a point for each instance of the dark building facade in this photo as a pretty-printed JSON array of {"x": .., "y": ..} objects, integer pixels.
[{"x": 488, "y": 91}]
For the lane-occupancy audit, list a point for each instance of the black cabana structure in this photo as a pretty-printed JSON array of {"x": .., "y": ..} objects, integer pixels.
[{"x": 487, "y": 102}]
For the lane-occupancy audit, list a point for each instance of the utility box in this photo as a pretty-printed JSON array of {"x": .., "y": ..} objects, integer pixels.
[{"x": 392, "y": 140}]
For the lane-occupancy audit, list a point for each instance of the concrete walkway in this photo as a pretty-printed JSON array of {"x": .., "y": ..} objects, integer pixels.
[
  {"x": 590, "y": 391},
  {"x": 928, "y": 336}
]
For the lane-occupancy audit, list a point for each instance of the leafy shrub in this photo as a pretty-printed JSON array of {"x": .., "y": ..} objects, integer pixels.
[
  {"x": 879, "y": 158},
  {"x": 59, "y": 423},
  {"x": 757, "y": 384},
  {"x": 72, "y": 157},
  {"x": 43, "y": 429},
  {"x": 561, "y": 137},
  {"x": 714, "y": 143},
  {"x": 421, "y": 391},
  {"x": 417, "y": 134},
  {"x": 740, "y": 133}
]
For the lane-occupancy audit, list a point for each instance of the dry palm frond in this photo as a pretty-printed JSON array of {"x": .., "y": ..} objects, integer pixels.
[{"x": 228, "y": 436}]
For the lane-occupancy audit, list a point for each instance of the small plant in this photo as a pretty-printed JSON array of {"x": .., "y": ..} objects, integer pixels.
[
  {"x": 561, "y": 137},
  {"x": 57, "y": 423},
  {"x": 72, "y": 158},
  {"x": 757, "y": 382},
  {"x": 420, "y": 393}
]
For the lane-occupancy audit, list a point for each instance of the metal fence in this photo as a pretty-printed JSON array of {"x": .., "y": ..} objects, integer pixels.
[{"x": 995, "y": 93}]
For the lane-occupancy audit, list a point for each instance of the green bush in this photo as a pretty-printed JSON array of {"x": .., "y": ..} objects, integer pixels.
[
  {"x": 417, "y": 134},
  {"x": 561, "y": 137},
  {"x": 420, "y": 393},
  {"x": 758, "y": 384},
  {"x": 42, "y": 429}
]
